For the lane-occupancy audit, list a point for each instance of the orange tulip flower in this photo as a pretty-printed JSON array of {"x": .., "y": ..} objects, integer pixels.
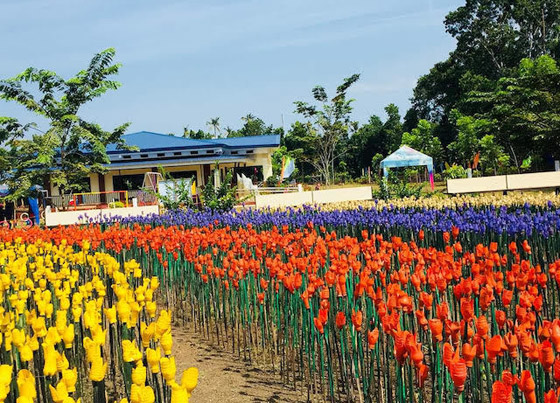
[{"x": 527, "y": 385}]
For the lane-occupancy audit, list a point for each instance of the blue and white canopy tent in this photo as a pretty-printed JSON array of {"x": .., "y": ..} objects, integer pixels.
[{"x": 408, "y": 157}]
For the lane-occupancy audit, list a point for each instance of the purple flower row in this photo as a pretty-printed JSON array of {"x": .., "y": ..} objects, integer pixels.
[{"x": 524, "y": 221}]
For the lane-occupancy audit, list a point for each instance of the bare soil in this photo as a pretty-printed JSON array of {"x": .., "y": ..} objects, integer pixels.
[{"x": 224, "y": 377}]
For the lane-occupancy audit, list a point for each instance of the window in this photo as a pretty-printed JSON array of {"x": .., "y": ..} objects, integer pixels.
[
  {"x": 128, "y": 182},
  {"x": 127, "y": 157},
  {"x": 209, "y": 151},
  {"x": 234, "y": 152},
  {"x": 143, "y": 155},
  {"x": 249, "y": 152},
  {"x": 161, "y": 154},
  {"x": 183, "y": 175},
  {"x": 177, "y": 153},
  {"x": 194, "y": 152}
]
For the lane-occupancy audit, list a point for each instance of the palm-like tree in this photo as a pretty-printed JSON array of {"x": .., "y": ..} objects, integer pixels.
[
  {"x": 248, "y": 117},
  {"x": 214, "y": 124}
]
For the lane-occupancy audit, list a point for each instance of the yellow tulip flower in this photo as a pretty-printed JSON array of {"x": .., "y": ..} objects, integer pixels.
[
  {"x": 130, "y": 351},
  {"x": 68, "y": 336},
  {"x": 59, "y": 393},
  {"x": 70, "y": 376},
  {"x": 5, "y": 374},
  {"x": 25, "y": 353},
  {"x": 189, "y": 379},
  {"x": 18, "y": 337},
  {"x": 167, "y": 342},
  {"x": 61, "y": 362},
  {"x": 26, "y": 384},
  {"x": 49, "y": 352},
  {"x": 98, "y": 369},
  {"x": 139, "y": 374},
  {"x": 168, "y": 368},
  {"x": 153, "y": 357},
  {"x": 111, "y": 314},
  {"x": 147, "y": 333},
  {"x": 179, "y": 394},
  {"x": 163, "y": 323}
]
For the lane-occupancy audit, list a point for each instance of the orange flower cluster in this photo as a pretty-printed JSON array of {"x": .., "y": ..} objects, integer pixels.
[{"x": 465, "y": 307}]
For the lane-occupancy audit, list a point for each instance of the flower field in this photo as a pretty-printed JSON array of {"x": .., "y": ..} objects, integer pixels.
[
  {"x": 406, "y": 303},
  {"x": 71, "y": 318}
]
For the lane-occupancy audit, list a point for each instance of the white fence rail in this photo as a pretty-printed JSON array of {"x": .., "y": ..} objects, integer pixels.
[{"x": 314, "y": 197}]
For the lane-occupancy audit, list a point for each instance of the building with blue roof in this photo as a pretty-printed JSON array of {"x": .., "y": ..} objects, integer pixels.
[{"x": 183, "y": 158}]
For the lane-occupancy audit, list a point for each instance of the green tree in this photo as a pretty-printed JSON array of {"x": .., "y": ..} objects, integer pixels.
[
  {"x": 392, "y": 131},
  {"x": 331, "y": 120},
  {"x": 214, "y": 124},
  {"x": 364, "y": 144},
  {"x": 72, "y": 147},
  {"x": 299, "y": 141},
  {"x": 492, "y": 155},
  {"x": 17, "y": 156},
  {"x": 492, "y": 37},
  {"x": 254, "y": 126},
  {"x": 422, "y": 139},
  {"x": 470, "y": 132},
  {"x": 524, "y": 109},
  {"x": 197, "y": 135}
]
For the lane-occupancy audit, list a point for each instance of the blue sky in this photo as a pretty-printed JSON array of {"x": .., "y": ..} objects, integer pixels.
[{"x": 185, "y": 62}]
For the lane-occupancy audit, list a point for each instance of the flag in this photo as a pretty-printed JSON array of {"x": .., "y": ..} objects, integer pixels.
[{"x": 288, "y": 167}]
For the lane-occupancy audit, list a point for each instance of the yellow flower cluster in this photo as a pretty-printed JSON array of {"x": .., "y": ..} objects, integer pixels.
[
  {"x": 68, "y": 314},
  {"x": 538, "y": 199}
]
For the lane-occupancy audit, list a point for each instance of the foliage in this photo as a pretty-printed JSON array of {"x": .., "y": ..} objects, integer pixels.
[
  {"x": 364, "y": 144},
  {"x": 376, "y": 162},
  {"x": 277, "y": 157},
  {"x": 492, "y": 37},
  {"x": 197, "y": 135},
  {"x": 395, "y": 187},
  {"x": 15, "y": 154},
  {"x": 222, "y": 197},
  {"x": 72, "y": 147},
  {"x": 331, "y": 122},
  {"x": 455, "y": 172},
  {"x": 214, "y": 124},
  {"x": 524, "y": 108},
  {"x": 178, "y": 195},
  {"x": 422, "y": 139},
  {"x": 253, "y": 126}
]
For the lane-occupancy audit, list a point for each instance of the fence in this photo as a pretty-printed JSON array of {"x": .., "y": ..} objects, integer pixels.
[
  {"x": 104, "y": 199},
  {"x": 317, "y": 196}
]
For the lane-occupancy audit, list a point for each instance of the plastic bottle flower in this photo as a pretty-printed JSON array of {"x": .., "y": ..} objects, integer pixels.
[
  {"x": 111, "y": 314},
  {"x": 26, "y": 384},
  {"x": 130, "y": 351},
  {"x": 5, "y": 380},
  {"x": 168, "y": 368},
  {"x": 59, "y": 393},
  {"x": 166, "y": 342},
  {"x": 153, "y": 357},
  {"x": 147, "y": 332},
  {"x": 98, "y": 369},
  {"x": 50, "y": 359},
  {"x": 142, "y": 394},
  {"x": 139, "y": 374},
  {"x": 70, "y": 376}
]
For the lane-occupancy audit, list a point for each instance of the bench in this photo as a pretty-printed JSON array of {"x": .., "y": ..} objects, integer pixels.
[{"x": 505, "y": 183}]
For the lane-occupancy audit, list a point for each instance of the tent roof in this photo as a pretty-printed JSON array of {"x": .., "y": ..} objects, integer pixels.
[{"x": 406, "y": 157}]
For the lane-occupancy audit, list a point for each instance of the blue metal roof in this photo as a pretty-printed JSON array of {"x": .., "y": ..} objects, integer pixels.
[
  {"x": 146, "y": 141},
  {"x": 176, "y": 161},
  {"x": 149, "y": 140},
  {"x": 269, "y": 140}
]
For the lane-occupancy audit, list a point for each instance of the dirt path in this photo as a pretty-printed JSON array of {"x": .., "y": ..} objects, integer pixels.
[{"x": 223, "y": 377}]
